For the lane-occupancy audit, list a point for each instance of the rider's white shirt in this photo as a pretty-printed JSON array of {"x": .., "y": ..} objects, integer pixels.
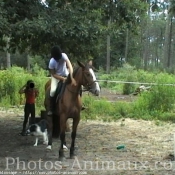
[{"x": 60, "y": 65}]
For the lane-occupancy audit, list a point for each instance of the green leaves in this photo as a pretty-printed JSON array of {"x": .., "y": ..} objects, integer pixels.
[{"x": 78, "y": 26}]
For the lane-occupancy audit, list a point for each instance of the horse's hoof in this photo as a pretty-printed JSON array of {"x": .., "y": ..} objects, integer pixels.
[
  {"x": 62, "y": 159},
  {"x": 49, "y": 148}
]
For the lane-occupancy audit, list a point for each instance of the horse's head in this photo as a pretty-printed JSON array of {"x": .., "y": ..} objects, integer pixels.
[{"x": 89, "y": 80}]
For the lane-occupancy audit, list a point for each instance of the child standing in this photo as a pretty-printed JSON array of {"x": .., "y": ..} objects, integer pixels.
[{"x": 30, "y": 94}]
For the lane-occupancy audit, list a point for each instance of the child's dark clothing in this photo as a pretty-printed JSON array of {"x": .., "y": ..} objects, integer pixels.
[{"x": 29, "y": 109}]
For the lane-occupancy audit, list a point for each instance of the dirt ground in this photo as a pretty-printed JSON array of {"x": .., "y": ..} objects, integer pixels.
[
  {"x": 113, "y": 96},
  {"x": 148, "y": 147}
]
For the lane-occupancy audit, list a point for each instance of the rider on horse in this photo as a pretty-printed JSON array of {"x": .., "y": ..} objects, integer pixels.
[{"x": 59, "y": 66}]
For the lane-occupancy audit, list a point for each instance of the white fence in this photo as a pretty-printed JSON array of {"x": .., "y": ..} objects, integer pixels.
[{"x": 130, "y": 82}]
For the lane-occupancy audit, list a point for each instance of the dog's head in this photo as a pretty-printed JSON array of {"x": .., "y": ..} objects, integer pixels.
[{"x": 32, "y": 128}]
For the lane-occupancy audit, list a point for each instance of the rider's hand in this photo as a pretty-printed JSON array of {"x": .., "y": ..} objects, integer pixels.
[
  {"x": 64, "y": 79},
  {"x": 73, "y": 83}
]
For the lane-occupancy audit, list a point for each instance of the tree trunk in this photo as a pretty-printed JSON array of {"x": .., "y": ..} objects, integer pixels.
[
  {"x": 126, "y": 44},
  {"x": 108, "y": 50},
  {"x": 169, "y": 49},
  {"x": 146, "y": 54},
  {"x": 166, "y": 55},
  {"x": 28, "y": 62},
  {"x": 8, "y": 54},
  {"x": 147, "y": 48}
]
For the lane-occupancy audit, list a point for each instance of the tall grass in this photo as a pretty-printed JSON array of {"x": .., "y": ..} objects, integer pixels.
[
  {"x": 102, "y": 109},
  {"x": 159, "y": 103},
  {"x": 159, "y": 100}
]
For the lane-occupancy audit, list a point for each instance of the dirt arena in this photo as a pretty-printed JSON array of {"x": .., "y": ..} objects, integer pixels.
[{"x": 148, "y": 146}]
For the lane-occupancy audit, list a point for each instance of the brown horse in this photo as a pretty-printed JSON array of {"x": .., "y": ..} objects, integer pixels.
[
  {"x": 70, "y": 104},
  {"x": 53, "y": 120}
]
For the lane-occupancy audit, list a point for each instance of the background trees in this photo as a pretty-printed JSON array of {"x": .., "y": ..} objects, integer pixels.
[{"x": 140, "y": 32}]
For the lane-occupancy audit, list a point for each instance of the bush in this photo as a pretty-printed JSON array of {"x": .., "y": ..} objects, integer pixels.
[
  {"x": 157, "y": 101},
  {"x": 155, "y": 104},
  {"x": 13, "y": 79},
  {"x": 104, "y": 110}
]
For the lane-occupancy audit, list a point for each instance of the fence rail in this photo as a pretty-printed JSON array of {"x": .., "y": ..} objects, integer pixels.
[{"x": 130, "y": 82}]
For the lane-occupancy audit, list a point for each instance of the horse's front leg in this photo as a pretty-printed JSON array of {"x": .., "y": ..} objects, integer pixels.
[
  {"x": 73, "y": 136},
  {"x": 62, "y": 137},
  {"x": 50, "y": 129}
]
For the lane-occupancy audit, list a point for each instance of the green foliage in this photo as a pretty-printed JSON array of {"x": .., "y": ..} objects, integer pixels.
[
  {"x": 126, "y": 74},
  {"x": 160, "y": 99},
  {"x": 77, "y": 26},
  {"x": 38, "y": 60},
  {"x": 131, "y": 76},
  {"x": 13, "y": 79},
  {"x": 154, "y": 104},
  {"x": 101, "y": 109},
  {"x": 157, "y": 104},
  {"x": 37, "y": 70}
]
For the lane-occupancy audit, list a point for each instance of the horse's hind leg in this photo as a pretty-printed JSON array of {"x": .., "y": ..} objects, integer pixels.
[{"x": 73, "y": 136}]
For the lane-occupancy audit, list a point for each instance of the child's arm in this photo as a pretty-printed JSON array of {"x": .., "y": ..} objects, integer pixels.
[
  {"x": 22, "y": 90},
  {"x": 36, "y": 92}
]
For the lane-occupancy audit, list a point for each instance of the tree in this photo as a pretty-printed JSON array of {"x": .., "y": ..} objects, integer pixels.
[{"x": 78, "y": 26}]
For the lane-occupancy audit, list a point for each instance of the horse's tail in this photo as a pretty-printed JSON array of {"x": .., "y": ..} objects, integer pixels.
[{"x": 48, "y": 83}]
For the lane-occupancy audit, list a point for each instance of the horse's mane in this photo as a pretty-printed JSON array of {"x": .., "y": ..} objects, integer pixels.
[{"x": 68, "y": 81}]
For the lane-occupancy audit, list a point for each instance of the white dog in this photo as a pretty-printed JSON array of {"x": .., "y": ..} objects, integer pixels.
[{"x": 39, "y": 129}]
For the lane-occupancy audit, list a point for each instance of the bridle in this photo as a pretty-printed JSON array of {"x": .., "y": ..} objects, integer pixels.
[{"x": 86, "y": 85}]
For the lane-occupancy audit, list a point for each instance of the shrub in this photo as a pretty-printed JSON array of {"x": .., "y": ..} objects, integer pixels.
[
  {"x": 155, "y": 104},
  {"x": 13, "y": 79},
  {"x": 104, "y": 110},
  {"x": 157, "y": 101}
]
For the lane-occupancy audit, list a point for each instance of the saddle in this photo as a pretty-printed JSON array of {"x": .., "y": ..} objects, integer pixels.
[{"x": 60, "y": 90}]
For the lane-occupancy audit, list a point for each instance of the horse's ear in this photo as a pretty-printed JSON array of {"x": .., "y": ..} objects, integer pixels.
[{"x": 80, "y": 64}]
